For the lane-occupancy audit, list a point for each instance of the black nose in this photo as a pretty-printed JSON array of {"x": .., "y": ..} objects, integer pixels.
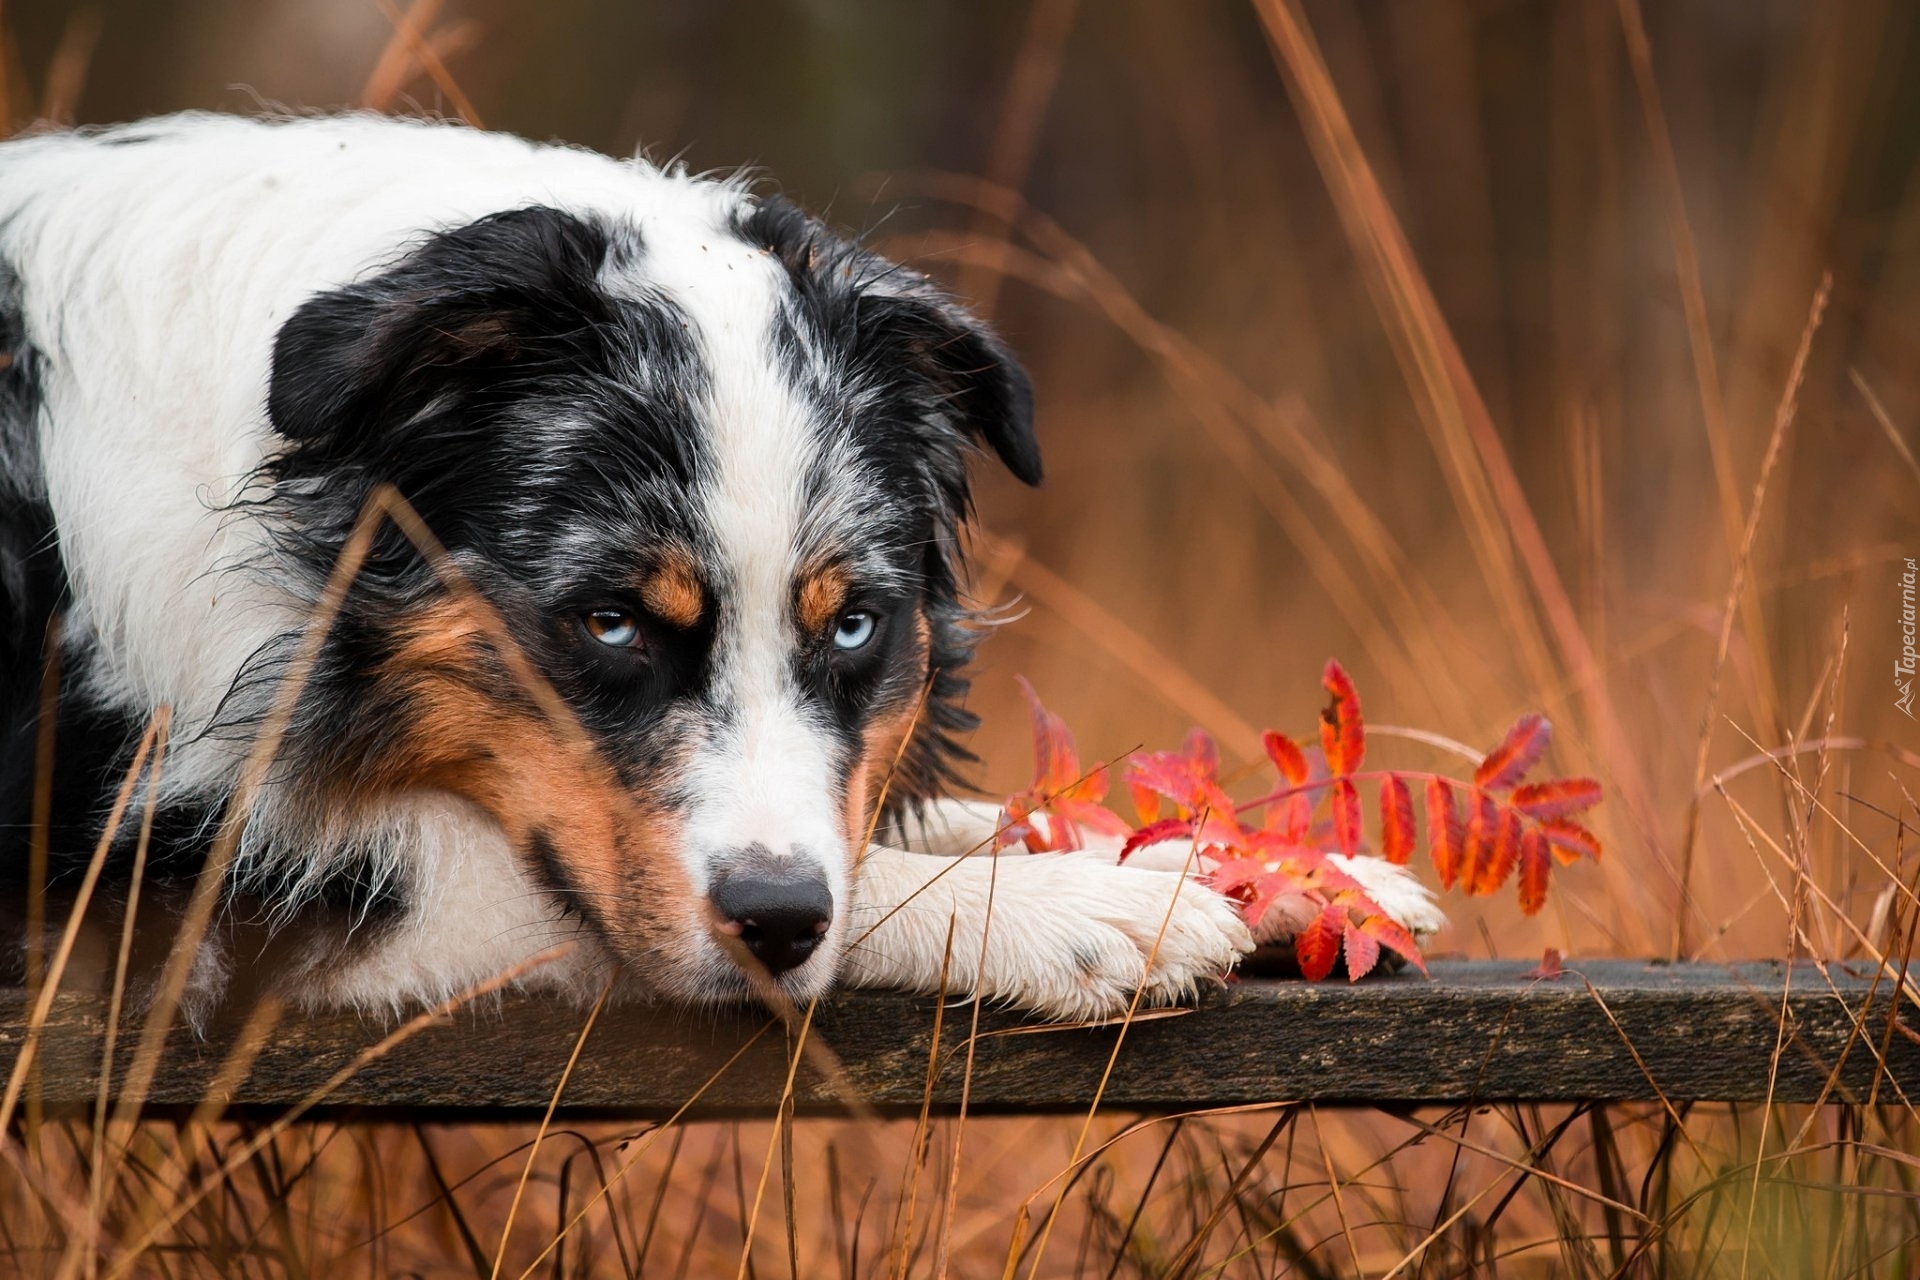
[{"x": 781, "y": 909}]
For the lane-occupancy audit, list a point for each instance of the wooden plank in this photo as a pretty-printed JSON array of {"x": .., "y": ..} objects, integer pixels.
[{"x": 1474, "y": 1031}]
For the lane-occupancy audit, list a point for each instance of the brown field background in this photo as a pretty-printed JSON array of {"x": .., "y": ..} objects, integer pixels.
[{"x": 1453, "y": 338}]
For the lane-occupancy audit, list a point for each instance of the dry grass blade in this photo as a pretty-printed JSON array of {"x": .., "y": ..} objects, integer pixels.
[
  {"x": 922, "y": 1133},
  {"x": 1783, "y": 418},
  {"x": 110, "y": 1033},
  {"x": 553, "y": 1104},
  {"x": 408, "y": 29},
  {"x": 1885, "y": 419}
]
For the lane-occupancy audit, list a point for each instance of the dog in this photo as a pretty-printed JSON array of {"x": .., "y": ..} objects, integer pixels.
[{"x": 679, "y": 621}]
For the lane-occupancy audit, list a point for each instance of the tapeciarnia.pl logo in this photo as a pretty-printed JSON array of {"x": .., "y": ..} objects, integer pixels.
[{"x": 1903, "y": 666}]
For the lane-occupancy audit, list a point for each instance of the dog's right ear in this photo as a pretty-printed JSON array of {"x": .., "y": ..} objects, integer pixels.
[{"x": 468, "y": 310}]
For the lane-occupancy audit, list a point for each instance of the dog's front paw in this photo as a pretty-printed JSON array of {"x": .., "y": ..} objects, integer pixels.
[{"x": 1068, "y": 936}]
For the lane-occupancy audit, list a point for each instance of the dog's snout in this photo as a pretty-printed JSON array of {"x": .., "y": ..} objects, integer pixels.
[{"x": 779, "y": 908}]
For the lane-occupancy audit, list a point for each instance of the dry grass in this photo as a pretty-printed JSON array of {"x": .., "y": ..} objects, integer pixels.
[{"x": 1512, "y": 388}]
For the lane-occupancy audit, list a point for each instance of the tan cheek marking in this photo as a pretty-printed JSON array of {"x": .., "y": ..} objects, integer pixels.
[
  {"x": 821, "y": 595},
  {"x": 530, "y": 774},
  {"x": 673, "y": 593}
]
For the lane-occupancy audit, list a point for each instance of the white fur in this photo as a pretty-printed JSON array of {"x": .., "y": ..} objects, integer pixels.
[{"x": 1066, "y": 935}]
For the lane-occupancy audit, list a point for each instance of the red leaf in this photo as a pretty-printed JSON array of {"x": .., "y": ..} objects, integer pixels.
[
  {"x": 1518, "y": 752},
  {"x": 1363, "y": 952},
  {"x": 1483, "y": 830},
  {"x": 1558, "y": 798},
  {"x": 1570, "y": 840},
  {"x": 1343, "y": 735},
  {"x": 1287, "y": 757},
  {"x": 1396, "y": 820},
  {"x": 1549, "y": 967},
  {"x": 1318, "y": 945},
  {"x": 1394, "y": 937},
  {"x": 1291, "y": 819},
  {"x": 1056, "y": 764},
  {"x": 1154, "y": 833},
  {"x": 1188, "y": 778},
  {"x": 1502, "y": 851},
  {"x": 1445, "y": 840},
  {"x": 1346, "y": 816},
  {"x": 1084, "y": 813},
  {"x": 1200, "y": 749},
  {"x": 1535, "y": 863}
]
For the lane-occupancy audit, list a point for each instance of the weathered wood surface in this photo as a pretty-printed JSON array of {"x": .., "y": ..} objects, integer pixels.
[{"x": 1474, "y": 1031}]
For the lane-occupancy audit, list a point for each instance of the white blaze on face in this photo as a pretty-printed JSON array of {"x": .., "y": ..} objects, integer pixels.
[{"x": 765, "y": 774}]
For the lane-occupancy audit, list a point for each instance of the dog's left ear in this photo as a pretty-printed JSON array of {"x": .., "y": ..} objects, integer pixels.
[
  {"x": 899, "y": 322},
  {"x": 981, "y": 383}
]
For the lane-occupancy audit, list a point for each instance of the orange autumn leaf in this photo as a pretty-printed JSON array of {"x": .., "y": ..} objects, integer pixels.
[
  {"x": 1343, "y": 735},
  {"x": 1535, "y": 864},
  {"x": 1502, "y": 850},
  {"x": 1345, "y": 800},
  {"x": 1559, "y": 798},
  {"x": 1571, "y": 841},
  {"x": 1362, "y": 951},
  {"x": 1392, "y": 935},
  {"x": 1318, "y": 945},
  {"x": 1549, "y": 969},
  {"x": 1287, "y": 757},
  {"x": 1517, "y": 753},
  {"x": 1396, "y": 820},
  {"x": 1483, "y": 828},
  {"x": 1446, "y": 841},
  {"x": 1048, "y": 815}
]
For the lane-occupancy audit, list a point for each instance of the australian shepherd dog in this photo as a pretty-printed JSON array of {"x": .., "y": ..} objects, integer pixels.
[{"x": 663, "y": 620}]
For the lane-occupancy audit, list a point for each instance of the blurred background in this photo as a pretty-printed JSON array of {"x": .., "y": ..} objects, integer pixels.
[{"x": 1477, "y": 343}]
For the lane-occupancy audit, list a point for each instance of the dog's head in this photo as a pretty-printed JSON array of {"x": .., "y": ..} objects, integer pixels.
[{"x": 703, "y": 471}]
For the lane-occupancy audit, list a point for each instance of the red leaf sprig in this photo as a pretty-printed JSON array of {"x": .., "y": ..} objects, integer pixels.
[
  {"x": 1478, "y": 833},
  {"x": 1047, "y": 816}
]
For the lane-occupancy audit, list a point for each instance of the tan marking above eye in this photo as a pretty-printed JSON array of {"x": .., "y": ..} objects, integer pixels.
[
  {"x": 819, "y": 600},
  {"x": 673, "y": 594}
]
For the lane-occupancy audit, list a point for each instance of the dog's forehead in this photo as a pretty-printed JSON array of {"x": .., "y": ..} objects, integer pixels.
[{"x": 781, "y": 488}]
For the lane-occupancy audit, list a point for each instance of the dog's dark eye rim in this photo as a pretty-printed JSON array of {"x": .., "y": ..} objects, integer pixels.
[{"x": 616, "y": 628}]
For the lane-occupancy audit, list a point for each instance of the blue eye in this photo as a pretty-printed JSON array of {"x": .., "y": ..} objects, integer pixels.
[
  {"x": 612, "y": 627},
  {"x": 853, "y": 631}
]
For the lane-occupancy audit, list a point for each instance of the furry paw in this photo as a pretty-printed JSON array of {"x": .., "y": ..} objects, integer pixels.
[{"x": 1067, "y": 936}]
